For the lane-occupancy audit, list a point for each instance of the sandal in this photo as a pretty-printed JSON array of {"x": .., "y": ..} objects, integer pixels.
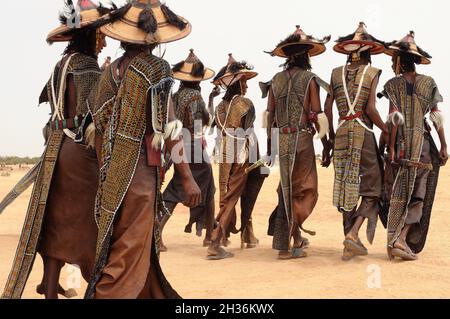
[
  {"x": 69, "y": 293},
  {"x": 219, "y": 254},
  {"x": 304, "y": 243},
  {"x": 356, "y": 247},
  {"x": 347, "y": 255},
  {"x": 295, "y": 253},
  {"x": 403, "y": 254}
]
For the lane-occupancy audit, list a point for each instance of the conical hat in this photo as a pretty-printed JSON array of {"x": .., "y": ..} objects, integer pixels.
[
  {"x": 361, "y": 40},
  {"x": 408, "y": 45},
  {"x": 233, "y": 72},
  {"x": 192, "y": 70},
  {"x": 162, "y": 24},
  {"x": 312, "y": 45},
  {"x": 85, "y": 13}
]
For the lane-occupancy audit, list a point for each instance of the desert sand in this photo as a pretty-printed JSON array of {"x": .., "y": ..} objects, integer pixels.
[{"x": 256, "y": 273}]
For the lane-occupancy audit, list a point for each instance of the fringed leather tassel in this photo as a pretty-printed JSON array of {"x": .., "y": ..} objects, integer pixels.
[
  {"x": 396, "y": 118},
  {"x": 324, "y": 125},
  {"x": 437, "y": 118},
  {"x": 172, "y": 130},
  {"x": 89, "y": 135},
  {"x": 265, "y": 123},
  {"x": 157, "y": 140}
]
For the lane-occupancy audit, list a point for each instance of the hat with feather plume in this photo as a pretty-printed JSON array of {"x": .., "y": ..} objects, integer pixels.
[
  {"x": 233, "y": 72},
  {"x": 408, "y": 45},
  {"x": 299, "y": 42},
  {"x": 359, "y": 41},
  {"x": 83, "y": 14},
  {"x": 148, "y": 22},
  {"x": 192, "y": 69}
]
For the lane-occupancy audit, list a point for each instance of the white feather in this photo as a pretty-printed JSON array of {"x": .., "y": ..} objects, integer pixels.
[
  {"x": 324, "y": 125},
  {"x": 265, "y": 123},
  {"x": 396, "y": 118},
  {"x": 173, "y": 130},
  {"x": 89, "y": 135}
]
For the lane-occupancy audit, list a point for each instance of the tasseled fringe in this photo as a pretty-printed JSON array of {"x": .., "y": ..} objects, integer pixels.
[
  {"x": 172, "y": 18},
  {"x": 437, "y": 118},
  {"x": 324, "y": 125},
  {"x": 396, "y": 118},
  {"x": 147, "y": 21},
  {"x": 172, "y": 130},
  {"x": 265, "y": 123},
  {"x": 89, "y": 136}
]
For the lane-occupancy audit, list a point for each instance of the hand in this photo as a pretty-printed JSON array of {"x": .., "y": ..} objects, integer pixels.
[
  {"x": 443, "y": 155},
  {"x": 386, "y": 138},
  {"x": 192, "y": 192},
  {"x": 326, "y": 157},
  {"x": 215, "y": 92}
]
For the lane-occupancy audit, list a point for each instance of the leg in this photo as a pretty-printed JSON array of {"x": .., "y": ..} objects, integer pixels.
[
  {"x": 209, "y": 222},
  {"x": 227, "y": 214},
  {"x": 170, "y": 208},
  {"x": 52, "y": 271},
  {"x": 352, "y": 244}
]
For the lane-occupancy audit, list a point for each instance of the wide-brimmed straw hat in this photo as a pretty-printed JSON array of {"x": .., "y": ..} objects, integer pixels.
[
  {"x": 408, "y": 45},
  {"x": 359, "y": 41},
  {"x": 85, "y": 13},
  {"x": 192, "y": 69},
  {"x": 300, "y": 42},
  {"x": 233, "y": 72},
  {"x": 148, "y": 22}
]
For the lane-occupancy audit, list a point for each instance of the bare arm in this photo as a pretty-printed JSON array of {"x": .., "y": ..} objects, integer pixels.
[
  {"x": 270, "y": 119},
  {"x": 372, "y": 111},
  {"x": 443, "y": 154},
  {"x": 215, "y": 92},
  {"x": 316, "y": 106},
  {"x": 328, "y": 109},
  {"x": 193, "y": 193}
]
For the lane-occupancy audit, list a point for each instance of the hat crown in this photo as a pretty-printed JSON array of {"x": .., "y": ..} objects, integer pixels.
[
  {"x": 299, "y": 31},
  {"x": 410, "y": 37},
  {"x": 361, "y": 30},
  {"x": 192, "y": 58},
  {"x": 231, "y": 59}
]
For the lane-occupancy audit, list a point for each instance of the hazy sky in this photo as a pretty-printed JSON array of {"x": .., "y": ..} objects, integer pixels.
[{"x": 242, "y": 27}]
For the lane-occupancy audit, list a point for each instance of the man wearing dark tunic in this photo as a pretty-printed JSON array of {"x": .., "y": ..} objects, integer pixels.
[
  {"x": 413, "y": 155},
  {"x": 191, "y": 110}
]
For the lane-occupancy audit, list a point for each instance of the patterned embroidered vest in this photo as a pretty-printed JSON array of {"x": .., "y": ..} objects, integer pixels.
[
  {"x": 353, "y": 78},
  {"x": 189, "y": 107},
  {"x": 241, "y": 107},
  {"x": 289, "y": 93}
]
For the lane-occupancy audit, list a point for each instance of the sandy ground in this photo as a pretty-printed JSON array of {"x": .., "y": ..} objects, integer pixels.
[{"x": 256, "y": 273}]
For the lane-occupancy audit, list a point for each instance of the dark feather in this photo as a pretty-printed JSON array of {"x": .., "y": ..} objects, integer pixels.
[
  {"x": 172, "y": 18},
  {"x": 147, "y": 21},
  {"x": 198, "y": 70},
  {"x": 424, "y": 53},
  {"x": 118, "y": 13},
  {"x": 290, "y": 39},
  {"x": 221, "y": 73},
  {"x": 177, "y": 67},
  {"x": 346, "y": 38},
  {"x": 103, "y": 10}
]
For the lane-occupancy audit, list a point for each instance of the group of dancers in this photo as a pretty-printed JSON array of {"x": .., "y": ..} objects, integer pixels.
[{"x": 97, "y": 199}]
